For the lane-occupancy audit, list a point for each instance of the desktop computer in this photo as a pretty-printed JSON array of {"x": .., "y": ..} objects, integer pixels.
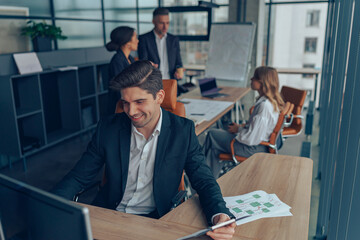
[{"x": 30, "y": 213}]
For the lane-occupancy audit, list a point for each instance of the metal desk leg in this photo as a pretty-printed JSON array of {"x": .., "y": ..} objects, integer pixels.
[{"x": 238, "y": 108}]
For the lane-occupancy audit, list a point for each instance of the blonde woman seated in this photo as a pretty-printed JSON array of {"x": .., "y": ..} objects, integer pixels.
[{"x": 261, "y": 123}]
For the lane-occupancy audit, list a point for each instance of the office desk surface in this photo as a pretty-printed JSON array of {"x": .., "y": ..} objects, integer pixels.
[
  {"x": 234, "y": 95},
  {"x": 109, "y": 224},
  {"x": 288, "y": 177}
]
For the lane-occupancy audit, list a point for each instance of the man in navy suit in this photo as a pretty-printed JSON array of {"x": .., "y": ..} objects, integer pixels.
[
  {"x": 161, "y": 47},
  {"x": 145, "y": 150}
]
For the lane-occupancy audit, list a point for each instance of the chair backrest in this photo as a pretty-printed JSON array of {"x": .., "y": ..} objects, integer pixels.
[
  {"x": 170, "y": 102},
  {"x": 296, "y": 97},
  {"x": 283, "y": 116}
]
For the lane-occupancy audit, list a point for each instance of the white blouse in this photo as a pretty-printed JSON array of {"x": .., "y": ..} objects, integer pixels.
[{"x": 261, "y": 123}]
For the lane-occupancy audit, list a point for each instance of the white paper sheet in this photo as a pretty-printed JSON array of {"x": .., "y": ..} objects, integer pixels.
[
  {"x": 204, "y": 109},
  {"x": 27, "y": 62},
  {"x": 258, "y": 204}
]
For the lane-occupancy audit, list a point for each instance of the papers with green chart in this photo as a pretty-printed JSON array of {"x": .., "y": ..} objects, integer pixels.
[{"x": 257, "y": 204}]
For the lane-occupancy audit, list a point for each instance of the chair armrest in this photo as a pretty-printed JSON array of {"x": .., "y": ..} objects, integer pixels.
[
  {"x": 233, "y": 151},
  {"x": 288, "y": 120},
  {"x": 268, "y": 145},
  {"x": 299, "y": 116},
  {"x": 179, "y": 197},
  {"x": 84, "y": 190}
]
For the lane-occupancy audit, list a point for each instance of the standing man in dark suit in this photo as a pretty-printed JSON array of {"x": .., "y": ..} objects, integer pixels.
[
  {"x": 161, "y": 47},
  {"x": 145, "y": 150}
]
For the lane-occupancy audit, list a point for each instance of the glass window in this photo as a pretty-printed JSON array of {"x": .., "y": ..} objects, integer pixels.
[
  {"x": 221, "y": 1},
  {"x": 108, "y": 4},
  {"x": 310, "y": 45},
  {"x": 35, "y": 7},
  {"x": 188, "y": 23},
  {"x": 121, "y": 14},
  {"x": 109, "y": 26},
  {"x": 145, "y": 27},
  {"x": 145, "y": 15},
  {"x": 148, "y": 3},
  {"x": 78, "y": 9},
  {"x": 279, "y": 1},
  {"x": 167, "y": 3},
  {"x": 308, "y": 65},
  {"x": 80, "y": 34},
  {"x": 221, "y": 14},
  {"x": 194, "y": 52},
  {"x": 123, "y": 10},
  {"x": 287, "y": 45},
  {"x": 312, "y": 18}
]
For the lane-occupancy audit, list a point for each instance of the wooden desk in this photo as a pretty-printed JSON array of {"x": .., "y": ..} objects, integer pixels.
[
  {"x": 235, "y": 94},
  {"x": 108, "y": 225},
  {"x": 287, "y": 176}
]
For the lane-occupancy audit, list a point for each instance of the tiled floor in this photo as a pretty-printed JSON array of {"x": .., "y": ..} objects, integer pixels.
[{"x": 45, "y": 169}]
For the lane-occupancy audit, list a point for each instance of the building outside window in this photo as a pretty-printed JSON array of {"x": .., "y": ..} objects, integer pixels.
[
  {"x": 312, "y": 18},
  {"x": 308, "y": 65},
  {"x": 310, "y": 45}
]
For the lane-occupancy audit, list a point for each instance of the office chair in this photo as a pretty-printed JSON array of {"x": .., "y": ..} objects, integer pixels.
[
  {"x": 296, "y": 97},
  {"x": 170, "y": 104},
  {"x": 285, "y": 118}
]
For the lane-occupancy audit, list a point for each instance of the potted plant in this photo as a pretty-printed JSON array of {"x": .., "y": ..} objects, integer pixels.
[{"x": 42, "y": 35}]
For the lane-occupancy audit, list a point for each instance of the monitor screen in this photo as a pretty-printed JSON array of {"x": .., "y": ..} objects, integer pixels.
[{"x": 30, "y": 213}]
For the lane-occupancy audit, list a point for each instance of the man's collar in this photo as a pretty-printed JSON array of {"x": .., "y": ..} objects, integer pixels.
[
  {"x": 156, "y": 129},
  {"x": 157, "y": 36}
]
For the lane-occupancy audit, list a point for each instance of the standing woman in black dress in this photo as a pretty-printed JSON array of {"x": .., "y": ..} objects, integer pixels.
[{"x": 123, "y": 41}]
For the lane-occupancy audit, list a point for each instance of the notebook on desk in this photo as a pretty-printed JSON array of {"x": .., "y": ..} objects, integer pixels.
[{"x": 208, "y": 88}]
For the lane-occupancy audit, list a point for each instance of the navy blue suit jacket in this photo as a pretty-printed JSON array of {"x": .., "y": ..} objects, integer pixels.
[
  {"x": 117, "y": 64},
  {"x": 147, "y": 50},
  {"x": 177, "y": 149}
]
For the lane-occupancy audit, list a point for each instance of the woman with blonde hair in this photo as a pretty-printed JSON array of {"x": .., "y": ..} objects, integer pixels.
[{"x": 258, "y": 128}]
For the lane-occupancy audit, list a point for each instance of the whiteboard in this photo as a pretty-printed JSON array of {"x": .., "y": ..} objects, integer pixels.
[{"x": 230, "y": 51}]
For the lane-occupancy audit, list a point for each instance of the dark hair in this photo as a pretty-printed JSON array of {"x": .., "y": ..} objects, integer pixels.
[
  {"x": 140, "y": 74},
  {"x": 160, "y": 11},
  {"x": 119, "y": 37}
]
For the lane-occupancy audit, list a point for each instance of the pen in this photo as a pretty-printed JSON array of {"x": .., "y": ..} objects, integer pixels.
[
  {"x": 197, "y": 114},
  {"x": 201, "y": 232},
  {"x": 227, "y": 222}
]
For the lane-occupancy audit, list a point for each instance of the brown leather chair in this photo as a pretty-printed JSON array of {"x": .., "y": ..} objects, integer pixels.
[
  {"x": 285, "y": 117},
  {"x": 296, "y": 97}
]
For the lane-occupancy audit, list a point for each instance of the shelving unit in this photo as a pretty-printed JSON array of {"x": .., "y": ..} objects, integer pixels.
[{"x": 43, "y": 109}]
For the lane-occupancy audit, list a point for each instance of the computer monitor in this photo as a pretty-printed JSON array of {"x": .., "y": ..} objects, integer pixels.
[{"x": 30, "y": 213}]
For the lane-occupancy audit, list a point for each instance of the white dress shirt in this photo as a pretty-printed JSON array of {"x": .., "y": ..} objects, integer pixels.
[
  {"x": 138, "y": 196},
  {"x": 163, "y": 55},
  {"x": 261, "y": 123}
]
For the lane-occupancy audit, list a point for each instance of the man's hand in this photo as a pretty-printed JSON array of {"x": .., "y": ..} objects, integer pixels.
[
  {"x": 154, "y": 64},
  {"x": 233, "y": 127},
  {"x": 179, "y": 74},
  {"x": 226, "y": 232}
]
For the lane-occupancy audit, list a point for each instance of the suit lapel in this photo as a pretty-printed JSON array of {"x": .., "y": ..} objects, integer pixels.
[
  {"x": 124, "y": 144},
  {"x": 163, "y": 141},
  {"x": 169, "y": 48},
  {"x": 154, "y": 48}
]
